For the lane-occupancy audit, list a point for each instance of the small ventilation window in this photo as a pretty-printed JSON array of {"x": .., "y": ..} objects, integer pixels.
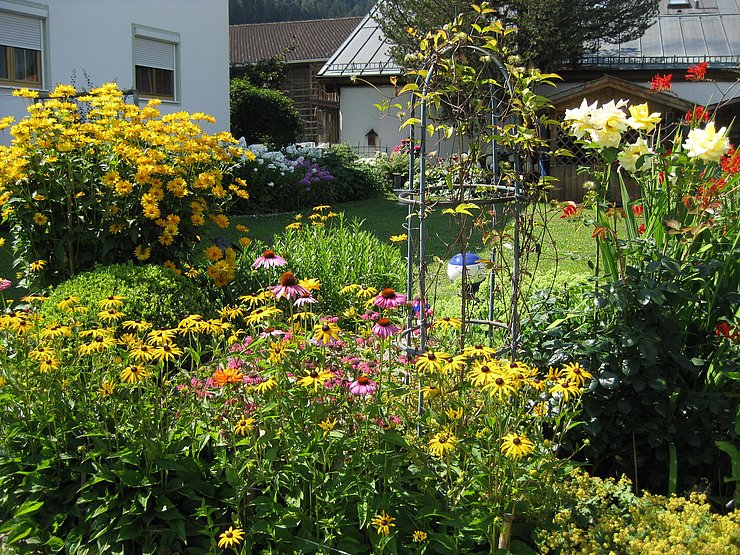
[{"x": 679, "y": 4}]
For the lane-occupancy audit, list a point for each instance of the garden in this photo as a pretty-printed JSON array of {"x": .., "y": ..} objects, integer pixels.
[{"x": 208, "y": 346}]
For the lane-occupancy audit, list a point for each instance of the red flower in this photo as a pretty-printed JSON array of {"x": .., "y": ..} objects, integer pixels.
[
  {"x": 637, "y": 210},
  {"x": 661, "y": 83},
  {"x": 641, "y": 229},
  {"x": 731, "y": 161},
  {"x": 697, "y": 72},
  {"x": 723, "y": 329},
  {"x": 697, "y": 115},
  {"x": 570, "y": 210}
]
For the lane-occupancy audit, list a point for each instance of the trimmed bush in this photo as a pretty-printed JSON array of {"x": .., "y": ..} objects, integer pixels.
[
  {"x": 151, "y": 293},
  {"x": 263, "y": 115}
]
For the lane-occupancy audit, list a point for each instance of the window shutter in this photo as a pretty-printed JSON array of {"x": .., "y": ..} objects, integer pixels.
[
  {"x": 154, "y": 53},
  {"x": 20, "y": 31}
]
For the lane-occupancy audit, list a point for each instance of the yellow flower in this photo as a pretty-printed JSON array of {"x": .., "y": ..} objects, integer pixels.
[
  {"x": 106, "y": 388},
  {"x": 314, "y": 378},
  {"x": 311, "y": 284},
  {"x": 38, "y": 265},
  {"x": 516, "y": 446},
  {"x": 431, "y": 361},
  {"x": 419, "y": 536},
  {"x": 567, "y": 388},
  {"x": 213, "y": 253},
  {"x": 142, "y": 253},
  {"x": 133, "y": 373},
  {"x": 576, "y": 373},
  {"x": 383, "y": 522},
  {"x": 39, "y": 219},
  {"x": 232, "y": 536},
  {"x": 49, "y": 363},
  {"x": 324, "y": 332},
  {"x": 167, "y": 352},
  {"x": 26, "y": 93},
  {"x": 454, "y": 414},
  {"x": 111, "y": 301},
  {"x": 631, "y": 153},
  {"x": 501, "y": 386},
  {"x": 327, "y": 425},
  {"x": 707, "y": 144},
  {"x": 399, "y": 238},
  {"x": 641, "y": 118},
  {"x": 244, "y": 426},
  {"x": 442, "y": 443},
  {"x": 266, "y": 385}
]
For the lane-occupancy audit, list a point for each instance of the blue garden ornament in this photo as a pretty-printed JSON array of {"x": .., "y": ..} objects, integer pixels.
[{"x": 473, "y": 266}]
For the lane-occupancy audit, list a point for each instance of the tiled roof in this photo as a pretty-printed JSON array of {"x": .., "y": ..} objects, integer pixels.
[
  {"x": 709, "y": 33},
  {"x": 364, "y": 53},
  {"x": 315, "y": 39}
]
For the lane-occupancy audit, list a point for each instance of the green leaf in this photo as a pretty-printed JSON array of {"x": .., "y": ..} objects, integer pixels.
[{"x": 28, "y": 508}]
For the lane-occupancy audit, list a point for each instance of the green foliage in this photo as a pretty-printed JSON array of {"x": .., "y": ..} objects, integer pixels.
[
  {"x": 658, "y": 372},
  {"x": 262, "y": 115},
  {"x": 604, "y": 516},
  {"x": 152, "y": 293}
]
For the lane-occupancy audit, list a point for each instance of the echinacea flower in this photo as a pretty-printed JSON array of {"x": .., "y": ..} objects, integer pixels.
[
  {"x": 388, "y": 298},
  {"x": 269, "y": 259},
  {"x": 288, "y": 287},
  {"x": 383, "y": 522},
  {"x": 232, "y": 536},
  {"x": 363, "y": 386},
  {"x": 384, "y": 328},
  {"x": 5, "y": 284},
  {"x": 516, "y": 446}
]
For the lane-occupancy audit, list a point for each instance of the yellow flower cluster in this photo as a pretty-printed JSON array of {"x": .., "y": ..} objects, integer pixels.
[{"x": 145, "y": 181}]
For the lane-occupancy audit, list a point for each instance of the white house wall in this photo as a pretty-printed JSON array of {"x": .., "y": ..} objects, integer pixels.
[
  {"x": 95, "y": 37},
  {"x": 358, "y": 116}
]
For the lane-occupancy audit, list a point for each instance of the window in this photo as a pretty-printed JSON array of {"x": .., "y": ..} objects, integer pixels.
[
  {"x": 20, "y": 50},
  {"x": 155, "y": 60}
]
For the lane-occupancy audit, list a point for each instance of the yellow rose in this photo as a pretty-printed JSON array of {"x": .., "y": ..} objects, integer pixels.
[
  {"x": 642, "y": 119},
  {"x": 631, "y": 154},
  {"x": 707, "y": 144}
]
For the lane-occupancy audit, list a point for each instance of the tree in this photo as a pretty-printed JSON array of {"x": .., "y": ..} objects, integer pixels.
[{"x": 552, "y": 34}]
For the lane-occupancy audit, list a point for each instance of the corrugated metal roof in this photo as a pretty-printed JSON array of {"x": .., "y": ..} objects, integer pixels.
[
  {"x": 315, "y": 39},
  {"x": 365, "y": 53},
  {"x": 678, "y": 39}
]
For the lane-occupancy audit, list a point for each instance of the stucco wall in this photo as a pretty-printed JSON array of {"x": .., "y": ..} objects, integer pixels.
[
  {"x": 96, "y": 37},
  {"x": 358, "y": 116}
]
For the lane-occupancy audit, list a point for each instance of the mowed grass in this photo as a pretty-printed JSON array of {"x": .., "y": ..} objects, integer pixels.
[{"x": 566, "y": 245}]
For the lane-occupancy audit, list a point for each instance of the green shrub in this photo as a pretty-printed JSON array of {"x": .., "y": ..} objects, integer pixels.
[
  {"x": 151, "y": 293},
  {"x": 263, "y": 115}
]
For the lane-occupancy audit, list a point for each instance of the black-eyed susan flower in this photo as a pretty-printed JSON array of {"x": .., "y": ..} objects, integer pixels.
[
  {"x": 325, "y": 332},
  {"x": 142, "y": 253},
  {"x": 231, "y": 537},
  {"x": 419, "y": 536},
  {"x": 110, "y": 315},
  {"x": 68, "y": 302},
  {"x": 40, "y": 219},
  {"x": 454, "y": 414},
  {"x": 262, "y": 314},
  {"x": 516, "y": 446},
  {"x": 442, "y": 443},
  {"x": 431, "y": 361},
  {"x": 446, "y": 323},
  {"x": 244, "y": 426},
  {"x": 315, "y": 378},
  {"x": 106, "y": 389},
  {"x": 111, "y": 301},
  {"x": 398, "y": 238},
  {"x": 566, "y": 389},
  {"x": 576, "y": 373},
  {"x": 141, "y": 352},
  {"x": 41, "y": 352},
  {"x": 383, "y": 522},
  {"x": 166, "y": 352},
  {"x": 133, "y": 373},
  {"x": 483, "y": 373},
  {"x": 55, "y": 330},
  {"x": 136, "y": 325},
  {"x": 47, "y": 363},
  {"x": 266, "y": 385},
  {"x": 159, "y": 337},
  {"x": 502, "y": 386},
  {"x": 479, "y": 351}
]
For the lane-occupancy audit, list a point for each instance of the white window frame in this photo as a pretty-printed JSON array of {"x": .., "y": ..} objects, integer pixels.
[
  {"x": 157, "y": 50},
  {"x": 28, "y": 32}
]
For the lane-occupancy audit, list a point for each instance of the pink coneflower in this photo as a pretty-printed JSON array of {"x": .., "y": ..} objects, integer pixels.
[
  {"x": 363, "y": 386},
  {"x": 388, "y": 298},
  {"x": 269, "y": 260},
  {"x": 384, "y": 328},
  {"x": 304, "y": 299},
  {"x": 5, "y": 284},
  {"x": 288, "y": 287}
]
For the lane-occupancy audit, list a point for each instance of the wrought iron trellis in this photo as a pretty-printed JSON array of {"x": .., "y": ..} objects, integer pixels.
[{"x": 416, "y": 197}]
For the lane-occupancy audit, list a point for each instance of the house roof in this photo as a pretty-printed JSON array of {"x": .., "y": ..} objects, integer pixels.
[
  {"x": 297, "y": 41},
  {"x": 366, "y": 53},
  {"x": 562, "y": 99},
  {"x": 707, "y": 33}
]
